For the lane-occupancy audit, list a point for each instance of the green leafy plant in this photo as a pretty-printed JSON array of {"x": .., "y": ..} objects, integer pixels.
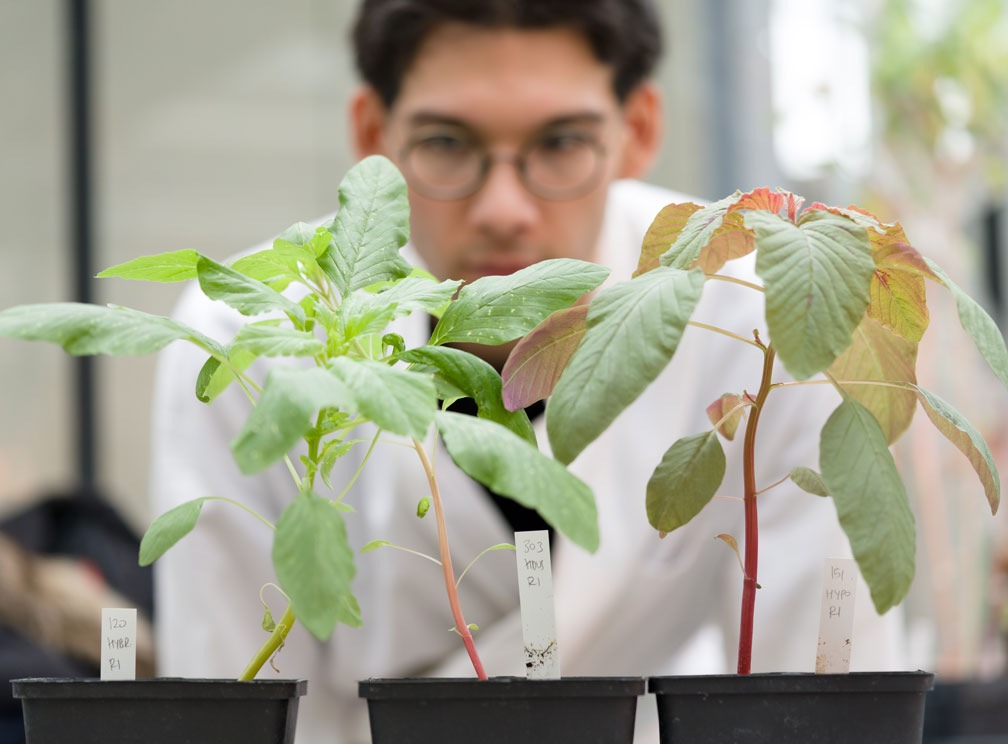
[
  {"x": 320, "y": 301},
  {"x": 845, "y": 305}
]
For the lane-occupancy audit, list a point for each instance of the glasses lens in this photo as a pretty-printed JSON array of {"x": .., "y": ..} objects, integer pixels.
[
  {"x": 443, "y": 165},
  {"x": 563, "y": 166}
]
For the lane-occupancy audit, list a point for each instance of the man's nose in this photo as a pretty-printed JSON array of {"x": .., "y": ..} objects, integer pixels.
[{"x": 503, "y": 206}]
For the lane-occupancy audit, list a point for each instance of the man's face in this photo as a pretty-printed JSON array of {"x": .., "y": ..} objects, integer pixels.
[{"x": 503, "y": 92}]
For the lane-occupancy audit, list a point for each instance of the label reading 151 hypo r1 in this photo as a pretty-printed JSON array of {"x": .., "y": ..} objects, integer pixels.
[{"x": 836, "y": 620}]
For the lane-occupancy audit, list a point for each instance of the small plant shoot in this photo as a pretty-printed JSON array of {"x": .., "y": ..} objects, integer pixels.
[{"x": 319, "y": 304}]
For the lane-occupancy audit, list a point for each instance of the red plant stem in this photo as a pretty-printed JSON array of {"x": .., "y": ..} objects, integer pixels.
[
  {"x": 446, "y": 565},
  {"x": 749, "y": 584}
]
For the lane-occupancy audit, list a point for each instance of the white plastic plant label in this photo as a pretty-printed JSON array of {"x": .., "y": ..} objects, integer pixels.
[
  {"x": 118, "y": 649},
  {"x": 535, "y": 593},
  {"x": 836, "y": 620}
]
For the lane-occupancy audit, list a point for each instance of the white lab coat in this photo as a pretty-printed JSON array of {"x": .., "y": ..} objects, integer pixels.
[{"x": 639, "y": 606}]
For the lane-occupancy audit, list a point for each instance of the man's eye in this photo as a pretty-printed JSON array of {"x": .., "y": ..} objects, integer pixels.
[
  {"x": 560, "y": 142},
  {"x": 444, "y": 144}
]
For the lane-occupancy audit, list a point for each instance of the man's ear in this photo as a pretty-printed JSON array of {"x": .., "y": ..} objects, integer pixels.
[
  {"x": 367, "y": 122},
  {"x": 642, "y": 116}
]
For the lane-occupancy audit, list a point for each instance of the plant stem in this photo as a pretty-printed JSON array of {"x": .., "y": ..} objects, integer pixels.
[
  {"x": 446, "y": 565},
  {"x": 273, "y": 643},
  {"x": 749, "y": 584}
]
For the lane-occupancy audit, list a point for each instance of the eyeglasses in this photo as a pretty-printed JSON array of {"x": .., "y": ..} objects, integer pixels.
[{"x": 449, "y": 163}]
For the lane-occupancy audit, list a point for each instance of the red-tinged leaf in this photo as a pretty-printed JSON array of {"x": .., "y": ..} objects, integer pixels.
[
  {"x": 731, "y": 240},
  {"x": 860, "y": 216},
  {"x": 877, "y": 354},
  {"x": 794, "y": 203},
  {"x": 761, "y": 198},
  {"x": 726, "y": 414},
  {"x": 687, "y": 478},
  {"x": 696, "y": 233},
  {"x": 898, "y": 298},
  {"x": 968, "y": 440},
  {"x": 732, "y": 543},
  {"x": 536, "y": 362},
  {"x": 662, "y": 233}
]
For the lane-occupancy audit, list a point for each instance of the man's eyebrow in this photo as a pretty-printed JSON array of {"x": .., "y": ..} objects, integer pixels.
[{"x": 420, "y": 118}]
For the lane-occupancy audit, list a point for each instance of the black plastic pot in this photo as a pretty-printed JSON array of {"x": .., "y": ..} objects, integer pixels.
[
  {"x": 860, "y": 707},
  {"x": 159, "y": 711},
  {"x": 502, "y": 710}
]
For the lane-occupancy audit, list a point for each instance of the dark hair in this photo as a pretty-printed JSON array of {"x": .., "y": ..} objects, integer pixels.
[{"x": 624, "y": 34}]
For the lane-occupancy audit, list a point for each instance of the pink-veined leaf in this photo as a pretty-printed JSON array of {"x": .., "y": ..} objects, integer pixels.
[
  {"x": 726, "y": 414},
  {"x": 731, "y": 240},
  {"x": 697, "y": 233},
  {"x": 537, "y": 360},
  {"x": 761, "y": 198}
]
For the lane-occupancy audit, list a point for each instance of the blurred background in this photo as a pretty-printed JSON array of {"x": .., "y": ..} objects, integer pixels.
[{"x": 132, "y": 127}]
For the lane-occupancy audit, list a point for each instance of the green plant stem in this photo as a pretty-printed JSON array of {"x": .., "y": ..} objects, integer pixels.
[
  {"x": 749, "y": 580},
  {"x": 446, "y": 565},
  {"x": 723, "y": 332},
  {"x": 273, "y": 643}
]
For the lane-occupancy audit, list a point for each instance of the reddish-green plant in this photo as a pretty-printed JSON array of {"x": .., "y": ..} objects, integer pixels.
[{"x": 845, "y": 305}]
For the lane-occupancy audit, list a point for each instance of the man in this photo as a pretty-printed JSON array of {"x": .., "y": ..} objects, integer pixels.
[{"x": 473, "y": 100}]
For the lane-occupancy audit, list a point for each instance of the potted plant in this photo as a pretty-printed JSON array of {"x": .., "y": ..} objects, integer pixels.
[
  {"x": 322, "y": 306},
  {"x": 845, "y": 306}
]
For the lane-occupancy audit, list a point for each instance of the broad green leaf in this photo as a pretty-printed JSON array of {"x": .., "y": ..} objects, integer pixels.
[
  {"x": 282, "y": 415},
  {"x": 472, "y": 378},
  {"x": 359, "y": 315},
  {"x": 168, "y": 529},
  {"x": 633, "y": 330},
  {"x": 246, "y": 295},
  {"x": 877, "y": 354},
  {"x": 871, "y": 502},
  {"x": 301, "y": 245},
  {"x": 511, "y": 467},
  {"x": 214, "y": 377},
  {"x": 83, "y": 329},
  {"x": 271, "y": 341},
  {"x": 687, "y": 478},
  {"x": 967, "y": 439},
  {"x": 268, "y": 267},
  {"x": 978, "y": 324},
  {"x": 698, "y": 231},
  {"x": 370, "y": 228},
  {"x": 536, "y": 362},
  {"x": 809, "y": 481},
  {"x": 174, "y": 266},
  {"x": 398, "y": 400},
  {"x": 816, "y": 277},
  {"x": 662, "y": 233},
  {"x": 726, "y": 414},
  {"x": 414, "y": 293},
  {"x": 315, "y": 564},
  {"x": 497, "y": 309},
  {"x": 898, "y": 296}
]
